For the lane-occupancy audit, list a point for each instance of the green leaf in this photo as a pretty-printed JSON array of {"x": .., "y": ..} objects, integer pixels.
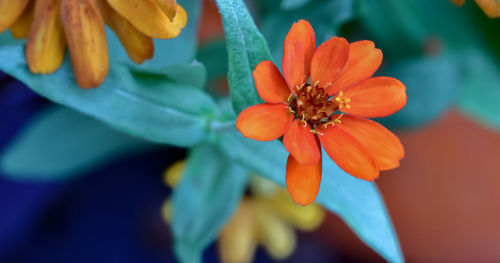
[
  {"x": 265, "y": 158},
  {"x": 61, "y": 143},
  {"x": 206, "y": 197},
  {"x": 431, "y": 84},
  {"x": 480, "y": 87},
  {"x": 171, "y": 111},
  {"x": 356, "y": 201},
  {"x": 361, "y": 206},
  {"x": 246, "y": 48}
]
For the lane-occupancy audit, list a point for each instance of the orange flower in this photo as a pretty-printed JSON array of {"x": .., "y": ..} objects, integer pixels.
[{"x": 306, "y": 112}]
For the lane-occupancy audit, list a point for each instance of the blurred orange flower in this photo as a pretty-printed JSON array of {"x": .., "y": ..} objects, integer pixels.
[
  {"x": 50, "y": 25},
  {"x": 490, "y": 7},
  {"x": 305, "y": 113}
]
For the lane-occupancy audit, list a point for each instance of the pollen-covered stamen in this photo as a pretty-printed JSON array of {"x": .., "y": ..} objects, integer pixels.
[
  {"x": 336, "y": 120},
  {"x": 312, "y": 105},
  {"x": 343, "y": 101}
]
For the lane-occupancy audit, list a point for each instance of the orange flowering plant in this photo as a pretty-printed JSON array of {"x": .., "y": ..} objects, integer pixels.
[
  {"x": 306, "y": 113},
  {"x": 51, "y": 25}
]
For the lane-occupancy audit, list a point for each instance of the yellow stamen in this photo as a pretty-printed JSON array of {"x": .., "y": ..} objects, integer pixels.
[
  {"x": 343, "y": 101},
  {"x": 337, "y": 120},
  {"x": 316, "y": 83},
  {"x": 290, "y": 97},
  {"x": 317, "y": 132}
]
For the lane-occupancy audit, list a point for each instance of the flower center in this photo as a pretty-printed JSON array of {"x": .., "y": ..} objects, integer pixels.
[{"x": 314, "y": 106}]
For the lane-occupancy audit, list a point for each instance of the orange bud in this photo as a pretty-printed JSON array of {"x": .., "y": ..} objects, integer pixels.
[
  {"x": 169, "y": 7},
  {"x": 86, "y": 37},
  {"x": 46, "y": 44},
  {"x": 21, "y": 27},
  {"x": 10, "y": 10},
  {"x": 148, "y": 17},
  {"x": 138, "y": 46}
]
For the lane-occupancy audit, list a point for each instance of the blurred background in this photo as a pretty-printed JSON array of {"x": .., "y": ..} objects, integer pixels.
[{"x": 443, "y": 200}]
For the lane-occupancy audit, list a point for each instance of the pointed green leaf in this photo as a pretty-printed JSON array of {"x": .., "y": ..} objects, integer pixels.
[
  {"x": 165, "y": 108},
  {"x": 61, "y": 143},
  {"x": 246, "y": 48},
  {"x": 206, "y": 197},
  {"x": 356, "y": 201}
]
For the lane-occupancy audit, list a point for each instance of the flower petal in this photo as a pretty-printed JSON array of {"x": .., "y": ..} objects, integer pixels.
[
  {"x": 238, "y": 240},
  {"x": 264, "y": 122},
  {"x": 305, "y": 218},
  {"x": 376, "y": 97},
  {"x": 21, "y": 28},
  {"x": 490, "y": 7},
  {"x": 149, "y": 18},
  {"x": 364, "y": 60},
  {"x": 293, "y": 65},
  {"x": 10, "y": 11},
  {"x": 348, "y": 153},
  {"x": 303, "y": 32},
  {"x": 274, "y": 234},
  {"x": 181, "y": 17},
  {"x": 301, "y": 143},
  {"x": 87, "y": 43},
  {"x": 302, "y": 180},
  {"x": 174, "y": 172},
  {"x": 327, "y": 61},
  {"x": 169, "y": 7},
  {"x": 271, "y": 86},
  {"x": 46, "y": 44},
  {"x": 139, "y": 47},
  {"x": 383, "y": 145}
]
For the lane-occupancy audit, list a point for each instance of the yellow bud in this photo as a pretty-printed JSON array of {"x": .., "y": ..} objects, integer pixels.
[
  {"x": 10, "y": 10},
  {"x": 86, "y": 37},
  {"x": 169, "y": 7},
  {"x": 149, "y": 18},
  {"x": 21, "y": 28},
  {"x": 46, "y": 44},
  {"x": 139, "y": 47}
]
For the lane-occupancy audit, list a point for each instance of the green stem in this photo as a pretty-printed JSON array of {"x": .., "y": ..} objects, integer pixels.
[{"x": 222, "y": 127}]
